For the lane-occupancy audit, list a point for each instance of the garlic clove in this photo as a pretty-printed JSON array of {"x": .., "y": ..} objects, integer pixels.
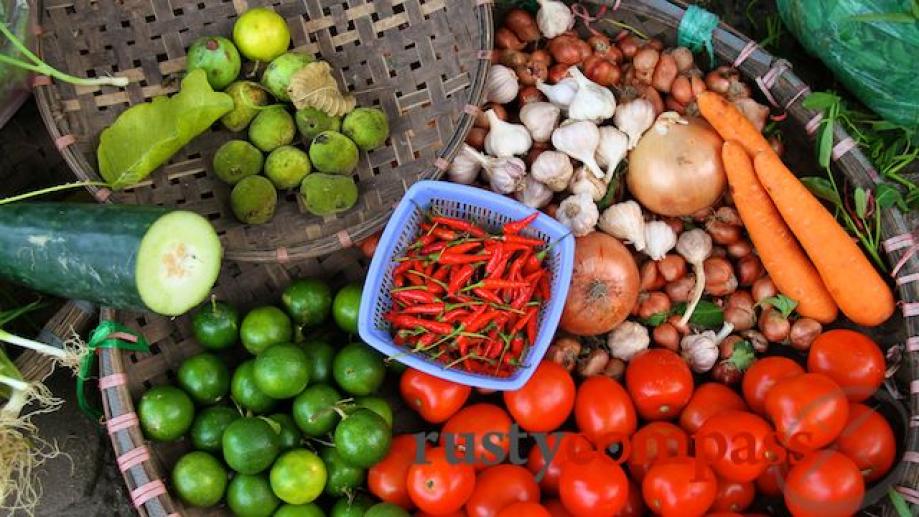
[
  {"x": 506, "y": 139},
  {"x": 505, "y": 175},
  {"x": 465, "y": 166},
  {"x": 501, "y": 85},
  {"x": 553, "y": 18},
  {"x": 534, "y": 193},
  {"x": 613, "y": 146},
  {"x": 625, "y": 222},
  {"x": 578, "y": 212},
  {"x": 553, "y": 168},
  {"x": 540, "y": 118},
  {"x": 584, "y": 182},
  {"x": 561, "y": 94},
  {"x": 592, "y": 101},
  {"x": 634, "y": 118},
  {"x": 659, "y": 239},
  {"x": 579, "y": 140}
]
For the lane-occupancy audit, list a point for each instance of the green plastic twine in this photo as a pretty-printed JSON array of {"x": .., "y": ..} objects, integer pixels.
[
  {"x": 102, "y": 337},
  {"x": 695, "y": 31}
]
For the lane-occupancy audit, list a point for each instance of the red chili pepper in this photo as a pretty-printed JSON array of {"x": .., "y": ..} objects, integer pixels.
[
  {"x": 426, "y": 340},
  {"x": 493, "y": 349},
  {"x": 433, "y": 247},
  {"x": 515, "y": 227},
  {"x": 517, "y": 327},
  {"x": 444, "y": 234},
  {"x": 543, "y": 287},
  {"x": 414, "y": 296},
  {"x": 424, "y": 240},
  {"x": 453, "y": 258},
  {"x": 497, "y": 283},
  {"x": 459, "y": 224},
  {"x": 406, "y": 321},
  {"x": 531, "y": 328},
  {"x": 513, "y": 271},
  {"x": 487, "y": 295},
  {"x": 479, "y": 319},
  {"x": 464, "y": 273},
  {"x": 455, "y": 315},
  {"x": 526, "y": 241},
  {"x": 462, "y": 247},
  {"x": 402, "y": 268},
  {"x": 426, "y": 308},
  {"x": 497, "y": 257}
]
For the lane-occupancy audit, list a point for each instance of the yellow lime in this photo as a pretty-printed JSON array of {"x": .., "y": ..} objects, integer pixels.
[{"x": 261, "y": 34}]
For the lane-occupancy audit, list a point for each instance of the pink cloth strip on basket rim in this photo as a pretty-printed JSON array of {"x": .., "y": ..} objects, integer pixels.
[
  {"x": 897, "y": 242},
  {"x": 472, "y": 110},
  {"x": 842, "y": 147},
  {"x": 480, "y": 3},
  {"x": 64, "y": 141},
  {"x": 912, "y": 345},
  {"x": 813, "y": 124},
  {"x": 121, "y": 422},
  {"x": 146, "y": 492},
  {"x": 485, "y": 54},
  {"x": 745, "y": 52},
  {"x": 903, "y": 280},
  {"x": 133, "y": 458},
  {"x": 914, "y": 387},
  {"x": 441, "y": 164},
  {"x": 344, "y": 238},
  {"x": 112, "y": 381},
  {"x": 102, "y": 195},
  {"x": 909, "y": 309},
  {"x": 767, "y": 80},
  {"x": 281, "y": 255},
  {"x": 910, "y": 494},
  {"x": 40, "y": 80},
  {"x": 911, "y": 456}
]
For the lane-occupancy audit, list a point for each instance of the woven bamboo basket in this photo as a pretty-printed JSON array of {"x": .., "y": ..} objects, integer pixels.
[
  {"x": 418, "y": 60},
  {"x": 125, "y": 375}
]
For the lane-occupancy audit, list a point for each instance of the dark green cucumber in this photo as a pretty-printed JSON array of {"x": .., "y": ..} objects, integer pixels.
[{"x": 122, "y": 256}]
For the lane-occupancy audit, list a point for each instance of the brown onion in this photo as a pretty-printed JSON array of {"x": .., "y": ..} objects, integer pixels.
[
  {"x": 481, "y": 120},
  {"x": 740, "y": 249},
  {"x": 529, "y": 73},
  {"x": 672, "y": 105},
  {"x": 564, "y": 351},
  {"x": 476, "y": 138},
  {"x": 653, "y": 303},
  {"x": 604, "y": 286},
  {"x": 753, "y": 111},
  {"x": 648, "y": 93},
  {"x": 749, "y": 269},
  {"x": 512, "y": 58},
  {"x": 672, "y": 267},
  {"x": 644, "y": 62},
  {"x": 721, "y": 232},
  {"x": 726, "y": 373},
  {"x": 614, "y": 368},
  {"x": 557, "y": 72},
  {"x": 757, "y": 339},
  {"x": 677, "y": 171},
  {"x": 541, "y": 56},
  {"x": 680, "y": 290},
  {"x": 803, "y": 332},
  {"x": 684, "y": 58},
  {"x": 726, "y": 347},
  {"x": 628, "y": 45},
  {"x": 719, "y": 276},
  {"x": 604, "y": 48},
  {"x": 656, "y": 44},
  {"x": 675, "y": 320},
  {"x": 601, "y": 71},
  {"x": 667, "y": 336},
  {"x": 593, "y": 363},
  {"x": 665, "y": 73},
  {"x": 681, "y": 90},
  {"x": 773, "y": 325},
  {"x": 675, "y": 224},
  {"x": 523, "y": 24},
  {"x": 762, "y": 289},
  {"x": 534, "y": 152},
  {"x": 529, "y": 94},
  {"x": 565, "y": 49},
  {"x": 649, "y": 277},
  {"x": 505, "y": 38}
]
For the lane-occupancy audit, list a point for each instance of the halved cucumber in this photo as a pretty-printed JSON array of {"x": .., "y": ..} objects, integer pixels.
[{"x": 122, "y": 256}]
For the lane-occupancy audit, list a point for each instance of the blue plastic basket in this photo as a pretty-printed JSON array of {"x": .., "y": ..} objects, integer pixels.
[{"x": 491, "y": 211}]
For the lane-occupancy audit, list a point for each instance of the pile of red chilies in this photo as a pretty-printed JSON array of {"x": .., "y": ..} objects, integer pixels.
[{"x": 468, "y": 298}]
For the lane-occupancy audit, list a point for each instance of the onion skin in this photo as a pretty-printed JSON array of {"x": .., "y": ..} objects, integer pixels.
[
  {"x": 604, "y": 286},
  {"x": 677, "y": 173}
]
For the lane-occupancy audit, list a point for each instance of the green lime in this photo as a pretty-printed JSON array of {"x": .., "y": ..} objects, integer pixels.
[
  {"x": 351, "y": 507},
  {"x": 308, "y": 301},
  {"x": 263, "y": 327},
  {"x": 319, "y": 356},
  {"x": 346, "y": 306},
  {"x": 298, "y": 476},
  {"x": 281, "y": 371},
  {"x": 207, "y": 430},
  {"x": 165, "y": 412},
  {"x": 250, "y": 445},
  {"x": 299, "y": 510},
  {"x": 205, "y": 378},
  {"x": 376, "y": 404},
  {"x": 246, "y": 393},
  {"x": 363, "y": 438},
  {"x": 200, "y": 479},
  {"x": 367, "y": 127},
  {"x": 343, "y": 478},
  {"x": 386, "y": 510},
  {"x": 216, "y": 325},
  {"x": 251, "y": 496},
  {"x": 314, "y": 409},
  {"x": 289, "y": 434},
  {"x": 358, "y": 369},
  {"x": 261, "y": 34},
  {"x": 286, "y": 167}
]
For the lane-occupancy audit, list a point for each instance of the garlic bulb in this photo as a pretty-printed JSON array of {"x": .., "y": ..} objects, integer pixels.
[
  {"x": 659, "y": 239},
  {"x": 628, "y": 339},
  {"x": 579, "y": 140},
  {"x": 540, "y": 118},
  {"x": 583, "y": 182},
  {"x": 592, "y": 101},
  {"x": 561, "y": 93},
  {"x": 501, "y": 85},
  {"x": 534, "y": 193},
  {"x": 695, "y": 246},
  {"x": 465, "y": 166},
  {"x": 700, "y": 350},
  {"x": 506, "y": 139},
  {"x": 634, "y": 118},
  {"x": 554, "y": 169},
  {"x": 505, "y": 175},
  {"x": 553, "y": 18},
  {"x": 614, "y": 144},
  {"x": 625, "y": 222},
  {"x": 579, "y": 213}
]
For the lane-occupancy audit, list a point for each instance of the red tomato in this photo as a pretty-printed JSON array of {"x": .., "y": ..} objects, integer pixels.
[
  {"x": 436, "y": 400},
  {"x": 545, "y": 401},
  {"x": 525, "y": 510},
  {"x": 500, "y": 486},
  {"x": 738, "y": 445},
  {"x": 869, "y": 441},
  {"x": 772, "y": 481},
  {"x": 386, "y": 479},
  {"x": 635, "y": 504},
  {"x": 604, "y": 412},
  {"x": 720, "y": 514},
  {"x": 439, "y": 486},
  {"x": 458, "y": 513},
  {"x": 653, "y": 442},
  {"x": 824, "y": 484},
  {"x": 556, "y": 508},
  {"x": 569, "y": 445},
  {"x": 679, "y": 487},
  {"x": 478, "y": 419},
  {"x": 709, "y": 399},
  {"x": 660, "y": 383},
  {"x": 763, "y": 375},
  {"x": 851, "y": 359},
  {"x": 593, "y": 485},
  {"x": 809, "y": 411},
  {"x": 733, "y": 496}
]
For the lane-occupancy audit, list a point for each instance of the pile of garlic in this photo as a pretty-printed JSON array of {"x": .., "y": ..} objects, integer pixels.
[{"x": 586, "y": 149}]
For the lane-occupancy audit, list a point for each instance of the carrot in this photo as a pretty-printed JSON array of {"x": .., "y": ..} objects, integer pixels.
[
  {"x": 730, "y": 123},
  {"x": 854, "y": 284},
  {"x": 792, "y": 272}
]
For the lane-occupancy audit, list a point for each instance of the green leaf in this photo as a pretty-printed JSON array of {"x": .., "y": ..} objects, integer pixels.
[
  {"x": 819, "y": 101},
  {"x": 742, "y": 355},
  {"x": 861, "y": 202},
  {"x": 825, "y": 143},
  {"x": 899, "y": 503},
  {"x": 781, "y": 303},
  {"x": 823, "y": 189},
  {"x": 655, "y": 319},
  {"x": 11, "y": 314},
  {"x": 887, "y": 196},
  {"x": 912, "y": 199},
  {"x": 147, "y": 135},
  {"x": 707, "y": 314}
]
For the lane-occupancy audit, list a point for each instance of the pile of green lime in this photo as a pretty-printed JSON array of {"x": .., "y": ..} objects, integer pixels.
[
  {"x": 322, "y": 169},
  {"x": 298, "y": 418}
]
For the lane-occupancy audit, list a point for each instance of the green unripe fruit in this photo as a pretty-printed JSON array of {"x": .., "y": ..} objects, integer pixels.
[
  {"x": 272, "y": 128},
  {"x": 218, "y": 57},
  {"x": 237, "y": 159},
  {"x": 333, "y": 153},
  {"x": 248, "y": 97},
  {"x": 277, "y": 76},
  {"x": 312, "y": 121},
  {"x": 367, "y": 127},
  {"x": 326, "y": 194},
  {"x": 286, "y": 166},
  {"x": 254, "y": 200}
]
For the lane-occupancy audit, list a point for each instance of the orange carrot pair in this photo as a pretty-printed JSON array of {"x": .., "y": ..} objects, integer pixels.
[{"x": 852, "y": 282}]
